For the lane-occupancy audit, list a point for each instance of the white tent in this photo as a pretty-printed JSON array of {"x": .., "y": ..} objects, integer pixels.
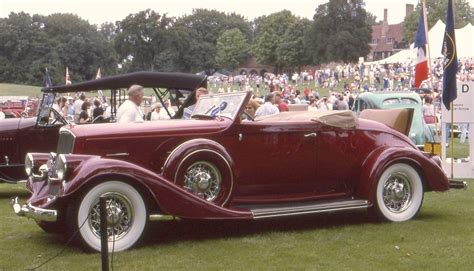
[
  {"x": 464, "y": 40},
  {"x": 464, "y": 44}
]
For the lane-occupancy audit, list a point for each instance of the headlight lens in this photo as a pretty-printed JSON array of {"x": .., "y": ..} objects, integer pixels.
[
  {"x": 29, "y": 164},
  {"x": 61, "y": 167}
]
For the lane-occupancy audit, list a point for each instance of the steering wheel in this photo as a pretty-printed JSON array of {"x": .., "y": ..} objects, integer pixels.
[{"x": 248, "y": 116}]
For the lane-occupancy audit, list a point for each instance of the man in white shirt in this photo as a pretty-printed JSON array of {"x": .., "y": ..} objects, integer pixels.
[
  {"x": 130, "y": 110},
  {"x": 78, "y": 107},
  {"x": 267, "y": 108}
]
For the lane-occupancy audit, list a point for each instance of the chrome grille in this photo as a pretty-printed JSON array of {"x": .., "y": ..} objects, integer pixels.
[{"x": 65, "y": 142}]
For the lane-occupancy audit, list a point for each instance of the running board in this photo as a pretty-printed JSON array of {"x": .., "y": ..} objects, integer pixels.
[{"x": 278, "y": 210}]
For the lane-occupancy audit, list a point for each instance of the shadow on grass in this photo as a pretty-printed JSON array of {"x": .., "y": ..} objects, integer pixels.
[{"x": 168, "y": 232}]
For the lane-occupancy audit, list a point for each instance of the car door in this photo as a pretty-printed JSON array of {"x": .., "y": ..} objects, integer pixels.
[
  {"x": 335, "y": 161},
  {"x": 275, "y": 159}
]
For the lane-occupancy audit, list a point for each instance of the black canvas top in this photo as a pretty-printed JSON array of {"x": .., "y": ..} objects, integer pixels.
[{"x": 146, "y": 79}]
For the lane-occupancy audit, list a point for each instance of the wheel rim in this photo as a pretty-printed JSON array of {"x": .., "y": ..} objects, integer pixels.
[
  {"x": 397, "y": 192},
  {"x": 203, "y": 179},
  {"x": 120, "y": 216}
]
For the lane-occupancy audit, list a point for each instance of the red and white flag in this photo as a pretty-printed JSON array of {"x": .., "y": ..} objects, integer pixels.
[
  {"x": 98, "y": 74},
  {"x": 421, "y": 68}
]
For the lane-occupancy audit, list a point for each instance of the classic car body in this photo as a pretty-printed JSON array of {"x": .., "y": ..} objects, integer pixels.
[
  {"x": 392, "y": 100},
  {"x": 217, "y": 166},
  {"x": 22, "y": 135},
  {"x": 18, "y": 106}
]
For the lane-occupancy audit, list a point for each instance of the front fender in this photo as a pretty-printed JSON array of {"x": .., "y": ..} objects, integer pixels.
[
  {"x": 373, "y": 167},
  {"x": 170, "y": 198}
]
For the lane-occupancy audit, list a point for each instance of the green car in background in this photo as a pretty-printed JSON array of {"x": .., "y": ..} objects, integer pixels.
[{"x": 419, "y": 131}]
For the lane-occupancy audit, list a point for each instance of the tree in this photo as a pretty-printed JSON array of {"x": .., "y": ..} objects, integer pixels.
[
  {"x": 232, "y": 49},
  {"x": 293, "y": 52},
  {"x": 140, "y": 39},
  {"x": 55, "y": 41},
  {"x": 271, "y": 31},
  {"x": 199, "y": 32},
  {"x": 437, "y": 10},
  {"x": 340, "y": 32}
]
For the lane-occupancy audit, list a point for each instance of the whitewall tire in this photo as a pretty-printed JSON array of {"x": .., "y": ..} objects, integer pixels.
[
  {"x": 126, "y": 216},
  {"x": 399, "y": 193}
]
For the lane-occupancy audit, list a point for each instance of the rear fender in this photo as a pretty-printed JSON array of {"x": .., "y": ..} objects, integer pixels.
[
  {"x": 433, "y": 176},
  {"x": 169, "y": 198}
]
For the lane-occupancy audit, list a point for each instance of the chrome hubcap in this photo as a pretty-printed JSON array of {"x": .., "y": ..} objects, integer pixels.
[
  {"x": 397, "y": 192},
  {"x": 119, "y": 216},
  {"x": 203, "y": 179}
]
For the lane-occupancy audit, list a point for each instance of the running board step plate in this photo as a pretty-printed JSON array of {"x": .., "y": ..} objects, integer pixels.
[{"x": 277, "y": 210}]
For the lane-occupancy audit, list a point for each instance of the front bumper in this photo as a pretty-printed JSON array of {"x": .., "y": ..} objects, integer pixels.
[
  {"x": 30, "y": 211},
  {"x": 457, "y": 184}
]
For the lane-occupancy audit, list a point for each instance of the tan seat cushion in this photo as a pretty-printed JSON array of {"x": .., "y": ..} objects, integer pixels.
[{"x": 398, "y": 119}]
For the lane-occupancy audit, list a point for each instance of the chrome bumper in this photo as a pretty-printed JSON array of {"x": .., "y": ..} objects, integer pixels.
[
  {"x": 30, "y": 211},
  {"x": 457, "y": 184}
]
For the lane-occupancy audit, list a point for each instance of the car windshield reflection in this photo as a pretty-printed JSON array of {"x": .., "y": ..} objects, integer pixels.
[{"x": 219, "y": 105}]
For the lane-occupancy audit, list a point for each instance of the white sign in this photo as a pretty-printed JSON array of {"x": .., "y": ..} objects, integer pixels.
[
  {"x": 463, "y": 105},
  {"x": 463, "y": 113}
]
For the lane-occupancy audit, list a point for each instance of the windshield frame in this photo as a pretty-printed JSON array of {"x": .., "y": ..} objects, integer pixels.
[
  {"x": 243, "y": 94},
  {"x": 60, "y": 121}
]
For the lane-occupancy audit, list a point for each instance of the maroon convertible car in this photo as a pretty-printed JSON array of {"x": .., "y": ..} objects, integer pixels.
[{"x": 219, "y": 166}]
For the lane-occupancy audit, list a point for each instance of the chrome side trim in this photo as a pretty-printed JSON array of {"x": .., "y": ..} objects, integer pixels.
[
  {"x": 158, "y": 217},
  {"x": 119, "y": 154},
  {"x": 30, "y": 211},
  {"x": 313, "y": 208},
  {"x": 218, "y": 154}
]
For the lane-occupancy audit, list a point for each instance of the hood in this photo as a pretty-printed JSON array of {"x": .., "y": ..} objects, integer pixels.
[{"x": 161, "y": 128}]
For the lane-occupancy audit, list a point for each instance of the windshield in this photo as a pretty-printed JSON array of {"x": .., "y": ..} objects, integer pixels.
[
  {"x": 223, "y": 105},
  {"x": 47, "y": 116}
]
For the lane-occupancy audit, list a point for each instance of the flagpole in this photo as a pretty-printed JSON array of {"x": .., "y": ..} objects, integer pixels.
[
  {"x": 429, "y": 65},
  {"x": 452, "y": 140},
  {"x": 452, "y": 105}
]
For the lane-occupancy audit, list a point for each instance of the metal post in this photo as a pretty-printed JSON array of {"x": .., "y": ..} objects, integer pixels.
[{"x": 104, "y": 242}]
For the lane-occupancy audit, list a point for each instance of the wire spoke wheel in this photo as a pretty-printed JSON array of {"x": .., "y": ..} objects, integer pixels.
[
  {"x": 126, "y": 216},
  {"x": 399, "y": 193},
  {"x": 203, "y": 179},
  {"x": 120, "y": 216}
]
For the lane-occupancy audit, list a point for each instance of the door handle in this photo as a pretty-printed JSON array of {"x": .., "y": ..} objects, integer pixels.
[{"x": 314, "y": 134}]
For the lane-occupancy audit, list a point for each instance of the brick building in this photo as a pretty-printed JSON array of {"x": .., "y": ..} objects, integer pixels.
[{"x": 387, "y": 39}]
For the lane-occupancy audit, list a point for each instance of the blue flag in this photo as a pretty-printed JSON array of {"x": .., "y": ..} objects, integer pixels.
[
  {"x": 47, "y": 80},
  {"x": 450, "y": 60}
]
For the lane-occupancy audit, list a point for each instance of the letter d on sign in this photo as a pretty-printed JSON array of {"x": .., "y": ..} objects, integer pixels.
[{"x": 464, "y": 88}]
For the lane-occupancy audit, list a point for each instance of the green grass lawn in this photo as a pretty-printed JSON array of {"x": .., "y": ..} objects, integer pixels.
[
  {"x": 19, "y": 90},
  {"x": 441, "y": 238}
]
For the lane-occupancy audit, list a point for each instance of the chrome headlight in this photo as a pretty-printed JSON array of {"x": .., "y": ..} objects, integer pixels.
[
  {"x": 61, "y": 167},
  {"x": 29, "y": 164}
]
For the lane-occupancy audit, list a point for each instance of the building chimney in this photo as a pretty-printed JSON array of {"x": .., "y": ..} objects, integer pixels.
[
  {"x": 385, "y": 16},
  {"x": 409, "y": 9},
  {"x": 385, "y": 24}
]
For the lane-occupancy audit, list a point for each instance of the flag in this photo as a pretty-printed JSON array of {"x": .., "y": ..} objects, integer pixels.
[
  {"x": 421, "y": 68},
  {"x": 47, "y": 80},
  {"x": 101, "y": 93},
  {"x": 68, "y": 79},
  {"x": 450, "y": 65}
]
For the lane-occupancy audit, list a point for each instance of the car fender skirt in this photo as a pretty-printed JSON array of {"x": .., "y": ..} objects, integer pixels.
[
  {"x": 433, "y": 176},
  {"x": 169, "y": 198}
]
